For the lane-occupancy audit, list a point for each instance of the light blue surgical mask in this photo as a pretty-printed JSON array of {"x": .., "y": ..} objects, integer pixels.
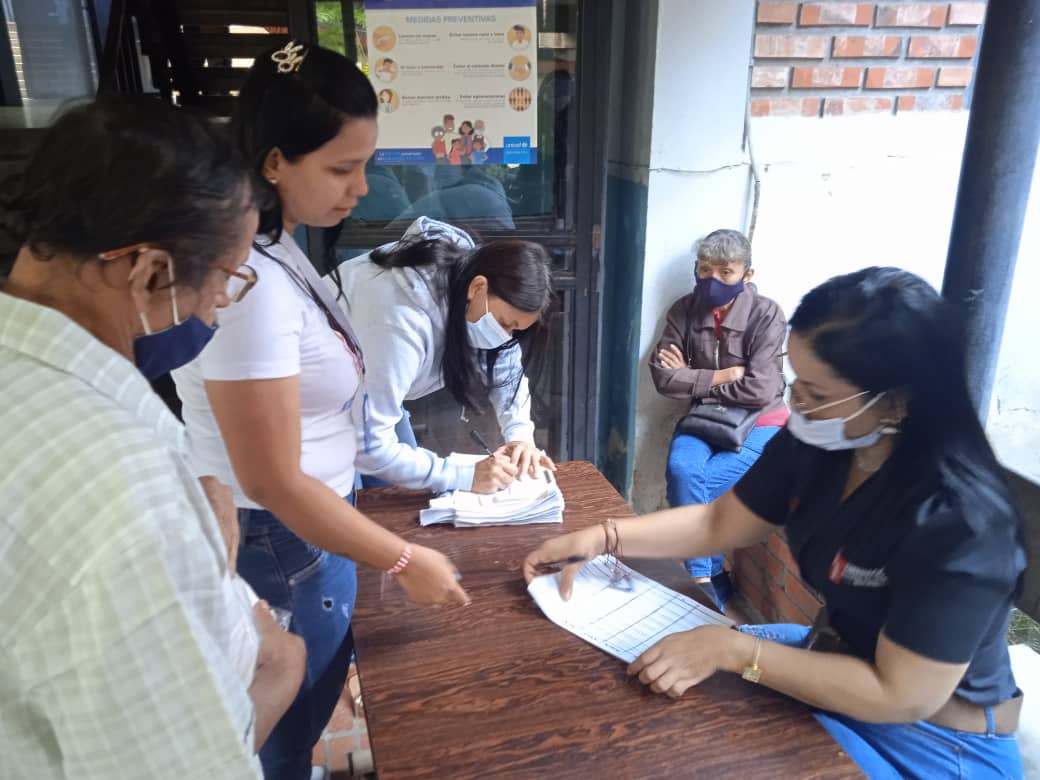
[
  {"x": 487, "y": 333},
  {"x": 830, "y": 434}
]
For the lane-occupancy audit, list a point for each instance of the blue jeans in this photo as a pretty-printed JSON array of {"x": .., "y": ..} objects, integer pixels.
[
  {"x": 895, "y": 751},
  {"x": 698, "y": 474},
  {"x": 318, "y": 588}
]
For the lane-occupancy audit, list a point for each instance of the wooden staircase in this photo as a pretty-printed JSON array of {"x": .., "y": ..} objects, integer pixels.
[{"x": 197, "y": 51}]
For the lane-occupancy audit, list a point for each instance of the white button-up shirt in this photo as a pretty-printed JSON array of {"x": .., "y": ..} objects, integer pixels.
[{"x": 116, "y": 605}]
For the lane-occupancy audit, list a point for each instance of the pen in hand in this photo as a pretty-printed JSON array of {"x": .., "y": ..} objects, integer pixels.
[
  {"x": 550, "y": 565},
  {"x": 475, "y": 435}
]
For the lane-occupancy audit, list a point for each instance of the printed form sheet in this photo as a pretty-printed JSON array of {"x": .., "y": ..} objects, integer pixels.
[{"x": 625, "y": 618}]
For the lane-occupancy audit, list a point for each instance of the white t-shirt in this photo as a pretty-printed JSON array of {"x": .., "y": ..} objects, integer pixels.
[{"x": 277, "y": 331}]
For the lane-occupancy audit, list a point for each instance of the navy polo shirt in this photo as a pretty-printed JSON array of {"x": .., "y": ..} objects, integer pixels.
[{"x": 898, "y": 554}]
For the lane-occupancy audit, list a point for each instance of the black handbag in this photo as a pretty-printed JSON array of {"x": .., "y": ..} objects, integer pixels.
[{"x": 723, "y": 427}]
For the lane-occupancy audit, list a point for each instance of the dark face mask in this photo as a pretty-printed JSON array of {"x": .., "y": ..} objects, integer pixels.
[
  {"x": 713, "y": 293},
  {"x": 162, "y": 352}
]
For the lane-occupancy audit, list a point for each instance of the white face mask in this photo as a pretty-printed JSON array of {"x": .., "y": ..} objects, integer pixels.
[
  {"x": 830, "y": 434},
  {"x": 486, "y": 333}
]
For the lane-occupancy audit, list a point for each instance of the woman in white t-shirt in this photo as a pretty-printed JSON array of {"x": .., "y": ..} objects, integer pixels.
[{"x": 268, "y": 403}]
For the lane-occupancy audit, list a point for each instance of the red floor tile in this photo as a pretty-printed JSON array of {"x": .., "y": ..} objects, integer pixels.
[
  {"x": 342, "y": 719},
  {"x": 339, "y": 749}
]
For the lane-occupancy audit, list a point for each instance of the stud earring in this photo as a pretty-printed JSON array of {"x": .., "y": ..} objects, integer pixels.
[{"x": 891, "y": 426}]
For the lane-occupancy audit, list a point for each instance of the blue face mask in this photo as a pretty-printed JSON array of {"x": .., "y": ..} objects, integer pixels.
[
  {"x": 159, "y": 353},
  {"x": 713, "y": 293}
]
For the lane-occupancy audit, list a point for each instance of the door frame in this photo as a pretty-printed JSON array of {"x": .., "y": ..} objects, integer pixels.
[{"x": 582, "y": 283}]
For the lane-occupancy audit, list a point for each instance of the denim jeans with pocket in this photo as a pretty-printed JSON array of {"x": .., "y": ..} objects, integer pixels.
[
  {"x": 697, "y": 473},
  {"x": 909, "y": 751},
  {"x": 319, "y": 589}
]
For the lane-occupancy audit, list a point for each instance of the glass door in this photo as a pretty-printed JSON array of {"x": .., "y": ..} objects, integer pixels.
[{"x": 540, "y": 202}]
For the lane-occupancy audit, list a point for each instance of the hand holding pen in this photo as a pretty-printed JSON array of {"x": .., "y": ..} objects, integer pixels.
[
  {"x": 566, "y": 554},
  {"x": 527, "y": 458},
  {"x": 494, "y": 473}
]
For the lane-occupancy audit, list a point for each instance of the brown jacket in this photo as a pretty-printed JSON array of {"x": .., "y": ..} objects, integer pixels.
[{"x": 753, "y": 335}]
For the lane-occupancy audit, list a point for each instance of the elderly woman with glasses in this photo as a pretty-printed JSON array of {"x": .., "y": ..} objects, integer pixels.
[
  {"x": 128, "y": 648},
  {"x": 898, "y": 515}
]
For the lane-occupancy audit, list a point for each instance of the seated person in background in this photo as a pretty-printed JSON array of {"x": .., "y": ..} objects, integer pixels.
[
  {"x": 118, "y": 653},
  {"x": 721, "y": 345},
  {"x": 897, "y": 513}
]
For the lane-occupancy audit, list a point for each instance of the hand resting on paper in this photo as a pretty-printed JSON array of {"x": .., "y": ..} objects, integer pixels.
[
  {"x": 527, "y": 458},
  {"x": 682, "y": 660}
]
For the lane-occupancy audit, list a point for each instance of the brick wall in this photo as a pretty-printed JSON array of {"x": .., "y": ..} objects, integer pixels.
[
  {"x": 835, "y": 58},
  {"x": 767, "y": 576}
]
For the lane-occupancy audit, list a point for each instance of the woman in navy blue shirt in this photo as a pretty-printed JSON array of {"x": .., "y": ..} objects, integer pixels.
[{"x": 896, "y": 511}]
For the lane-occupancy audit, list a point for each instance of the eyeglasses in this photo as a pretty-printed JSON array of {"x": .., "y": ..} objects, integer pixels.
[{"x": 245, "y": 274}]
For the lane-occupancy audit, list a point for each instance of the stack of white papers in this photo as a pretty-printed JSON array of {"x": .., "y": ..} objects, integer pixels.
[
  {"x": 526, "y": 500},
  {"x": 625, "y": 617}
]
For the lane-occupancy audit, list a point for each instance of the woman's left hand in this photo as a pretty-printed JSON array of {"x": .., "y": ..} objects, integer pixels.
[
  {"x": 682, "y": 660},
  {"x": 527, "y": 458}
]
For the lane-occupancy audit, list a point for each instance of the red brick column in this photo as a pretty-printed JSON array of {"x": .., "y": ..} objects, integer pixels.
[
  {"x": 832, "y": 58},
  {"x": 768, "y": 578}
]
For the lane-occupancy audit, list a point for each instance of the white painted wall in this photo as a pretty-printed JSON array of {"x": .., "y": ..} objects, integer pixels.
[
  {"x": 837, "y": 194},
  {"x": 1014, "y": 418},
  {"x": 697, "y": 182},
  {"x": 842, "y": 193}
]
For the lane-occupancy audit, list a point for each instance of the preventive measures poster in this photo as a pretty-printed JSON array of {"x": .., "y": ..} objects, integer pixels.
[{"x": 456, "y": 80}]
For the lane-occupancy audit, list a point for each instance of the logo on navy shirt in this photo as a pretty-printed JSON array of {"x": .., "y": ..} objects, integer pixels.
[{"x": 844, "y": 572}]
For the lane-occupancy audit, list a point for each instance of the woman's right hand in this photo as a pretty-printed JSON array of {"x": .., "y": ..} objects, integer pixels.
[
  {"x": 431, "y": 579},
  {"x": 493, "y": 473},
  {"x": 586, "y": 544}
]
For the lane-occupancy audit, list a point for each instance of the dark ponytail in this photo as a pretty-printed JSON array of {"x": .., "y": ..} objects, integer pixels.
[
  {"x": 518, "y": 272},
  {"x": 298, "y": 112},
  {"x": 885, "y": 329}
]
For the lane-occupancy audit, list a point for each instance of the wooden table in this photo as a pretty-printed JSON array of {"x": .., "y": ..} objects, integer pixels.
[{"x": 495, "y": 690}]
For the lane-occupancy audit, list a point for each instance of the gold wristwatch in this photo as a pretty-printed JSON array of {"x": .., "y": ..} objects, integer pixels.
[{"x": 753, "y": 672}]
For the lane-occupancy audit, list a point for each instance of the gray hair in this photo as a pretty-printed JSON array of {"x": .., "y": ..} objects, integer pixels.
[{"x": 724, "y": 246}]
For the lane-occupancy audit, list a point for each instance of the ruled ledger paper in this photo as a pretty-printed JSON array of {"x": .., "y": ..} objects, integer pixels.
[{"x": 623, "y": 618}]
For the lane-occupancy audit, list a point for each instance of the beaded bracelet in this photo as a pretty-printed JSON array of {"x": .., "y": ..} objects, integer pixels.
[{"x": 402, "y": 562}]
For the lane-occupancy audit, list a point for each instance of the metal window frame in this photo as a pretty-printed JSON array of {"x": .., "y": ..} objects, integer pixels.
[
  {"x": 10, "y": 94},
  {"x": 583, "y": 283}
]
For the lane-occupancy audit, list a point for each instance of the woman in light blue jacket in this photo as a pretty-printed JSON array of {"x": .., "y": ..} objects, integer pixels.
[{"x": 434, "y": 310}]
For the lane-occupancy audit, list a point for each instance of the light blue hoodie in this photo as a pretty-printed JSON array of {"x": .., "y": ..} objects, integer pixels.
[{"x": 401, "y": 330}]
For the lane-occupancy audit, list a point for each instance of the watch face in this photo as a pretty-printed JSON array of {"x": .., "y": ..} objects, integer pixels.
[{"x": 752, "y": 674}]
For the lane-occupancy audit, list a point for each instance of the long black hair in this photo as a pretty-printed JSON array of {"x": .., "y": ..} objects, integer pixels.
[
  {"x": 119, "y": 171},
  {"x": 298, "y": 112},
  {"x": 518, "y": 272},
  {"x": 887, "y": 330}
]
